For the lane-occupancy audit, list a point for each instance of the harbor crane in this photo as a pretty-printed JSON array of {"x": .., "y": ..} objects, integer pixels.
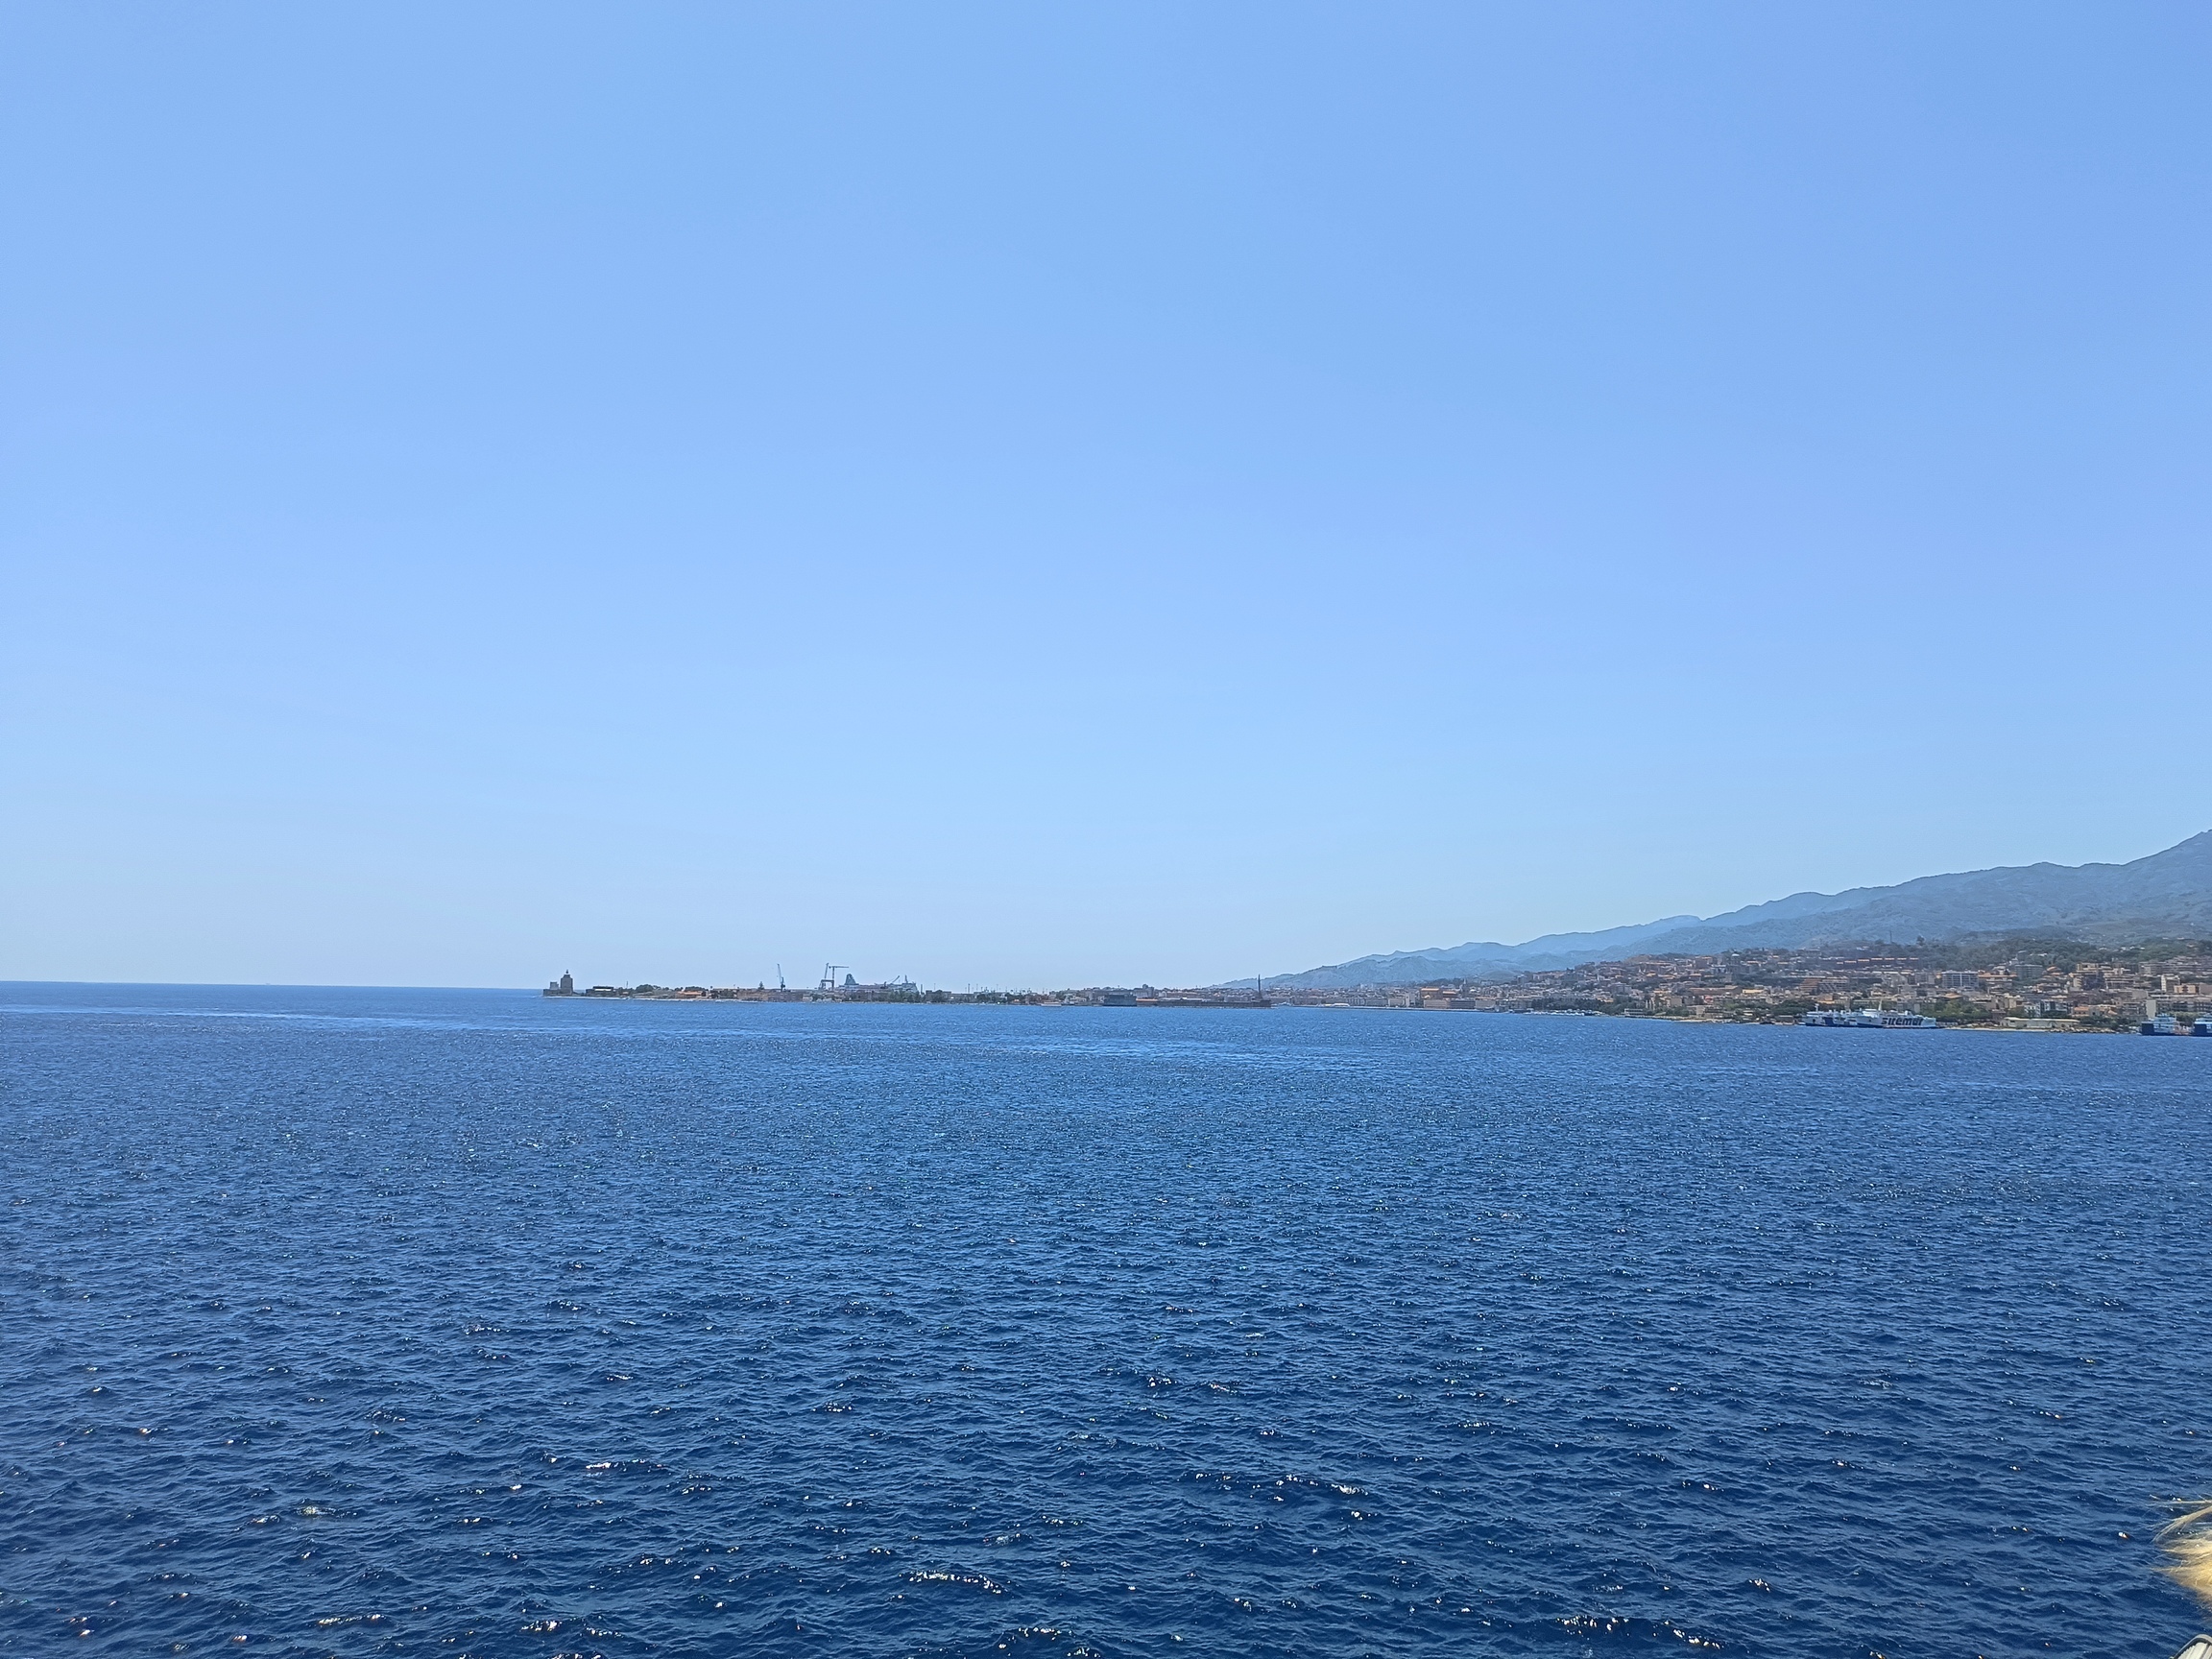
[{"x": 829, "y": 973}]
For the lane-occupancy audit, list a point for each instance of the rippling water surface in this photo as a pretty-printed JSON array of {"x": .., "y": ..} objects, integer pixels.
[{"x": 357, "y": 1322}]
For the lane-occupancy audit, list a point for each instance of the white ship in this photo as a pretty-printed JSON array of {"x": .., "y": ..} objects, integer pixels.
[{"x": 1871, "y": 1019}]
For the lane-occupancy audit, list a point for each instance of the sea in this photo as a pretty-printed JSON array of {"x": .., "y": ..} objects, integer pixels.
[{"x": 339, "y": 1322}]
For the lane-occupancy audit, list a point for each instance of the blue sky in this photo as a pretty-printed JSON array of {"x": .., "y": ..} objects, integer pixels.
[{"x": 1026, "y": 495}]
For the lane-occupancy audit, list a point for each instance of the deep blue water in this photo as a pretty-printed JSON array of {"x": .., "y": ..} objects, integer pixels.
[{"x": 358, "y": 1322}]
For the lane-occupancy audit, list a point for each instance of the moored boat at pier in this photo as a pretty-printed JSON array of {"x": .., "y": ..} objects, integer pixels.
[{"x": 1870, "y": 1018}]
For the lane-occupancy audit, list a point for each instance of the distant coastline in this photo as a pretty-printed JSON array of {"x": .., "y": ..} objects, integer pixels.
[
  {"x": 2035, "y": 985},
  {"x": 850, "y": 990},
  {"x": 2042, "y": 985}
]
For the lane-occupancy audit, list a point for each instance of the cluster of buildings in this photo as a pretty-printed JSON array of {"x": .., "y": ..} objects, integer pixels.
[{"x": 2035, "y": 985}]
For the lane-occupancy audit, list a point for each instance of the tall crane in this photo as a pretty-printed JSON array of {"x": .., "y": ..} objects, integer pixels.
[{"x": 829, "y": 973}]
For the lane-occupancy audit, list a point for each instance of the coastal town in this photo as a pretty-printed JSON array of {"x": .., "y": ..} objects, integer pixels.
[
  {"x": 2024, "y": 985},
  {"x": 2041, "y": 985}
]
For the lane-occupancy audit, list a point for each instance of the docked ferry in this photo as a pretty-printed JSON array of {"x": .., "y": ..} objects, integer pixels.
[
  {"x": 1870, "y": 1018},
  {"x": 2166, "y": 1026}
]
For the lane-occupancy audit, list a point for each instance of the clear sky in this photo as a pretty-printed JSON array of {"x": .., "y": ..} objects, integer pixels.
[{"x": 1042, "y": 494}]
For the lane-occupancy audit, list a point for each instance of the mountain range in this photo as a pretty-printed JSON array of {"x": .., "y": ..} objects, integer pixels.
[{"x": 2165, "y": 896}]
